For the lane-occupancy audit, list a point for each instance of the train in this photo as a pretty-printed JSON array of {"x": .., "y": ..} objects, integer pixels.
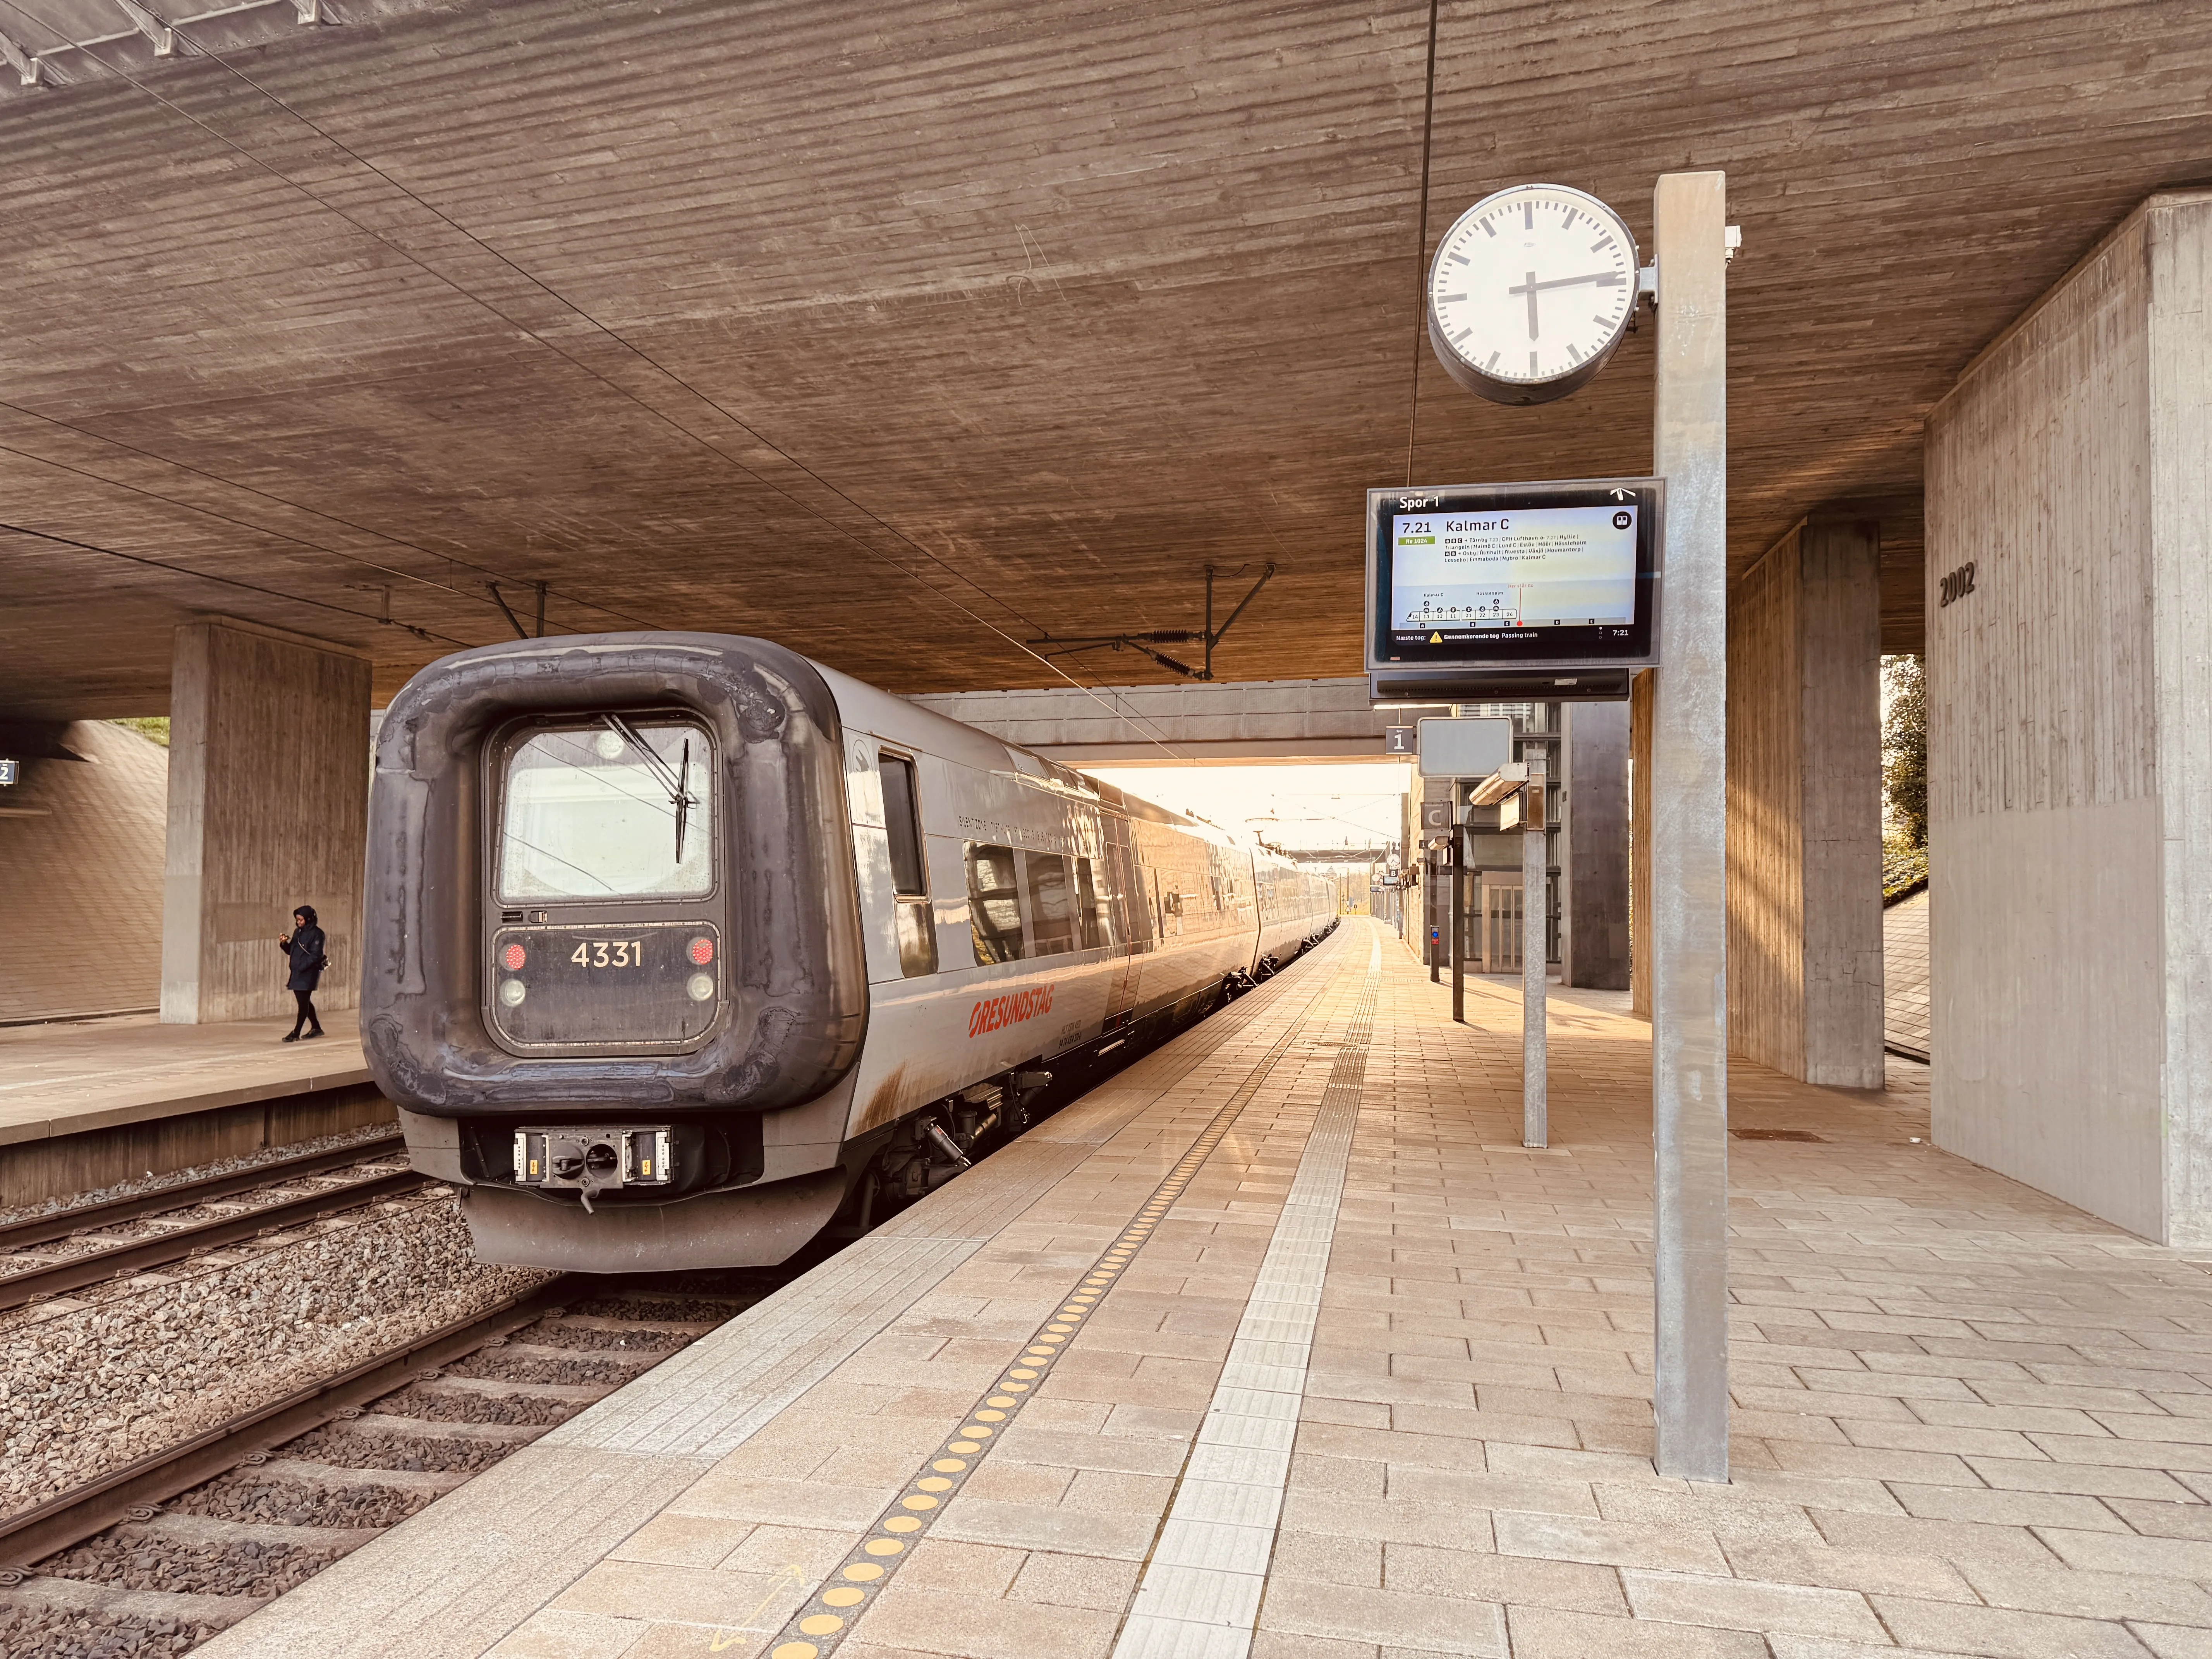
[{"x": 682, "y": 950}]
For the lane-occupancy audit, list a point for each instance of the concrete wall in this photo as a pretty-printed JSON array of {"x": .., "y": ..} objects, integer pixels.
[
  {"x": 268, "y": 808},
  {"x": 1804, "y": 794},
  {"x": 32, "y": 1171},
  {"x": 80, "y": 878},
  {"x": 1594, "y": 942},
  {"x": 2070, "y": 737}
]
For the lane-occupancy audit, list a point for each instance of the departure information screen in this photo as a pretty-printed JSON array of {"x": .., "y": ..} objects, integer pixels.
[
  {"x": 1512, "y": 575},
  {"x": 1542, "y": 567}
]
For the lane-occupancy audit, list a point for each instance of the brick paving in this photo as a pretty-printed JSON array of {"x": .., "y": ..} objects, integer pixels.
[
  {"x": 1968, "y": 1419},
  {"x": 1904, "y": 974}
]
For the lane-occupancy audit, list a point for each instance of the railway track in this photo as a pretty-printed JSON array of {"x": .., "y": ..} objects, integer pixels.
[
  {"x": 95, "y": 1259},
  {"x": 162, "y": 1553}
]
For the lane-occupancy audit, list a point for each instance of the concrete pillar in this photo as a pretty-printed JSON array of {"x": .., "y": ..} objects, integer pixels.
[
  {"x": 1594, "y": 943},
  {"x": 267, "y": 810},
  {"x": 2069, "y": 744},
  {"x": 1640, "y": 703},
  {"x": 1804, "y": 833}
]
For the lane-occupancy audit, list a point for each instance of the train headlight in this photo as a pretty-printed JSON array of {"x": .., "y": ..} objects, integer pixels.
[
  {"x": 511, "y": 992},
  {"x": 701, "y": 986}
]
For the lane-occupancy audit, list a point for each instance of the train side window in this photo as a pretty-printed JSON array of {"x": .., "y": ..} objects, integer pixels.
[
  {"x": 1091, "y": 910},
  {"x": 917, "y": 925},
  {"x": 1144, "y": 906},
  {"x": 994, "y": 903},
  {"x": 902, "y": 821},
  {"x": 1051, "y": 913}
]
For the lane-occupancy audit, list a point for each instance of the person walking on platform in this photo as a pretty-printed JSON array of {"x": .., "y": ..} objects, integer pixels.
[{"x": 303, "y": 947}]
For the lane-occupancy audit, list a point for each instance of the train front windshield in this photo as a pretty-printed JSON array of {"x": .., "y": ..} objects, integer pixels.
[{"x": 617, "y": 811}]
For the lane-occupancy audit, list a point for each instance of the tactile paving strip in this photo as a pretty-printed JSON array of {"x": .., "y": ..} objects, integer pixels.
[
  {"x": 824, "y": 1620},
  {"x": 1200, "y": 1596},
  {"x": 714, "y": 1395}
]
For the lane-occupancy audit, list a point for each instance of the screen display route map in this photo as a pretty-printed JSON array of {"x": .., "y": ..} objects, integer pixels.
[{"x": 1532, "y": 567}]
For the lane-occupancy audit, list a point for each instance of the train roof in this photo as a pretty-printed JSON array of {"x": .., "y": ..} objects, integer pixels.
[{"x": 888, "y": 714}]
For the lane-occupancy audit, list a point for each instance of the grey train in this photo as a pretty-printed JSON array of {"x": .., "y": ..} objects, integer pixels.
[{"x": 680, "y": 949}]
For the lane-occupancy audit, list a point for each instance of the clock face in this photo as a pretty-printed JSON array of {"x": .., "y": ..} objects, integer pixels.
[{"x": 1531, "y": 291}]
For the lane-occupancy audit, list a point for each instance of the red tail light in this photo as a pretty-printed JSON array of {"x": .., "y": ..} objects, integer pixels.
[
  {"x": 702, "y": 950},
  {"x": 513, "y": 958}
]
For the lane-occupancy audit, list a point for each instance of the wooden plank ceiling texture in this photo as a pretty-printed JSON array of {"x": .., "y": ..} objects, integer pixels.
[{"x": 909, "y": 333}]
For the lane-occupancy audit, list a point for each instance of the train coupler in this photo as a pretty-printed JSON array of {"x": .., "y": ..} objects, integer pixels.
[{"x": 589, "y": 1160}]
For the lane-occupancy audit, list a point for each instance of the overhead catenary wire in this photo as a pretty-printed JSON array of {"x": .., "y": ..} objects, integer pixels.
[
  {"x": 230, "y": 581},
  {"x": 263, "y": 530},
  {"x": 655, "y": 413}
]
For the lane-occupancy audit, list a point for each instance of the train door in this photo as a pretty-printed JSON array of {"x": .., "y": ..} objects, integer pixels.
[{"x": 1130, "y": 906}]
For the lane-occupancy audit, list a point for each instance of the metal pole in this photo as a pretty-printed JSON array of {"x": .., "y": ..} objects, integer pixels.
[
  {"x": 1432, "y": 946},
  {"x": 1536, "y": 1087},
  {"x": 1458, "y": 940},
  {"x": 1689, "y": 863}
]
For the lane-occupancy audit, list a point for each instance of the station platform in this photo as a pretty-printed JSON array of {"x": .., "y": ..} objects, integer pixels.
[
  {"x": 1281, "y": 1343},
  {"x": 89, "y": 1102}
]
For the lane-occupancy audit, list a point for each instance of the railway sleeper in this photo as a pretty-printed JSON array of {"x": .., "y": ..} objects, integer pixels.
[
  {"x": 639, "y": 1358},
  {"x": 377, "y": 1425},
  {"x": 576, "y": 1321},
  {"x": 184, "y": 1607},
  {"x": 209, "y": 1529},
  {"x": 576, "y": 1393},
  {"x": 304, "y": 1471}
]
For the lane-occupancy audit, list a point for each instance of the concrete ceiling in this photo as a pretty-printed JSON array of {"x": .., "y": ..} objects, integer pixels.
[{"x": 904, "y": 334}]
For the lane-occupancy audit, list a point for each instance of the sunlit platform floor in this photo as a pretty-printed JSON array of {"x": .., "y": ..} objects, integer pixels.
[
  {"x": 1282, "y": 1345},
  {"x": 73, "y": 1076}
]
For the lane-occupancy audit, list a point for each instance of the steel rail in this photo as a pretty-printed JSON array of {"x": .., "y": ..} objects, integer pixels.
[
  {"x": 127, "y": 1493},
  {"x": 136, "y": 1256},
  {"x": 60, "y": 1223}
]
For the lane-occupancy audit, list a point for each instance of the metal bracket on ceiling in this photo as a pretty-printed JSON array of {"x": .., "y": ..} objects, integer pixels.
[
  {"x": 163, "y": 37},
  {"x": 1208, "y": 636},
  {"x": 29, "y": 68},
  {"x": 311, "y": 11}
]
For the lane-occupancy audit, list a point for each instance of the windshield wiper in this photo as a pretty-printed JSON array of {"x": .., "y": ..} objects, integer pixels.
[
  {"x": 682, "y": 799},
  {"x": 677, "y": 783}
]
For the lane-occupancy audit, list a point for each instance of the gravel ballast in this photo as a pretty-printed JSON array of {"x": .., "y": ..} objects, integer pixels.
[
  {"x": 244, "y": 1567},
  {"x": 500, "y": 1365},
  {"x": 91, "y": 1389},
  {"x": 243, "y": 1495},
  {"x": 150, "y": 1182},
  {"x": 346, "y": 1449},
  {"x": 66, "y": 1633},
  {"x": 432, "y": 1407}
]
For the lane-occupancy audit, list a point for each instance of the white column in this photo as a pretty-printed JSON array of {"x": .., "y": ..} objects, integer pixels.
[{"x": 1689, "y": 854}]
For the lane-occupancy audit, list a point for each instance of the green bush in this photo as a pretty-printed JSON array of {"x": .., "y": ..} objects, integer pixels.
[
  {"x": 1903, "y": 867},
  {"x": 155, "y": 728},
  {"x": 1905, "y": 749}
]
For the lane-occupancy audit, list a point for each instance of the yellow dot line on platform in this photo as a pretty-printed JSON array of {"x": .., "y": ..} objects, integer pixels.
[{"x": 824, "y": 1620}]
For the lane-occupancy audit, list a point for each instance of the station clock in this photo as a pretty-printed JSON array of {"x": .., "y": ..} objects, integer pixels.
[{"x": 1531, "y": 291}]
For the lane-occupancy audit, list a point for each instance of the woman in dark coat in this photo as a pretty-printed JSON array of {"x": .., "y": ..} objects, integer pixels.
[{"x": 303, "y": 947}]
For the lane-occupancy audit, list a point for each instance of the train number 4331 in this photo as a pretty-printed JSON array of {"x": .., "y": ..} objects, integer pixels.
[{"x": 610, "y": 953}]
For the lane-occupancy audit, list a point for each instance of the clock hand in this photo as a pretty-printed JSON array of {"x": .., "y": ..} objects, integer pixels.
[
  {"x": 1530, "y": 290},
  {"x": 1612, "y": 277}
]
